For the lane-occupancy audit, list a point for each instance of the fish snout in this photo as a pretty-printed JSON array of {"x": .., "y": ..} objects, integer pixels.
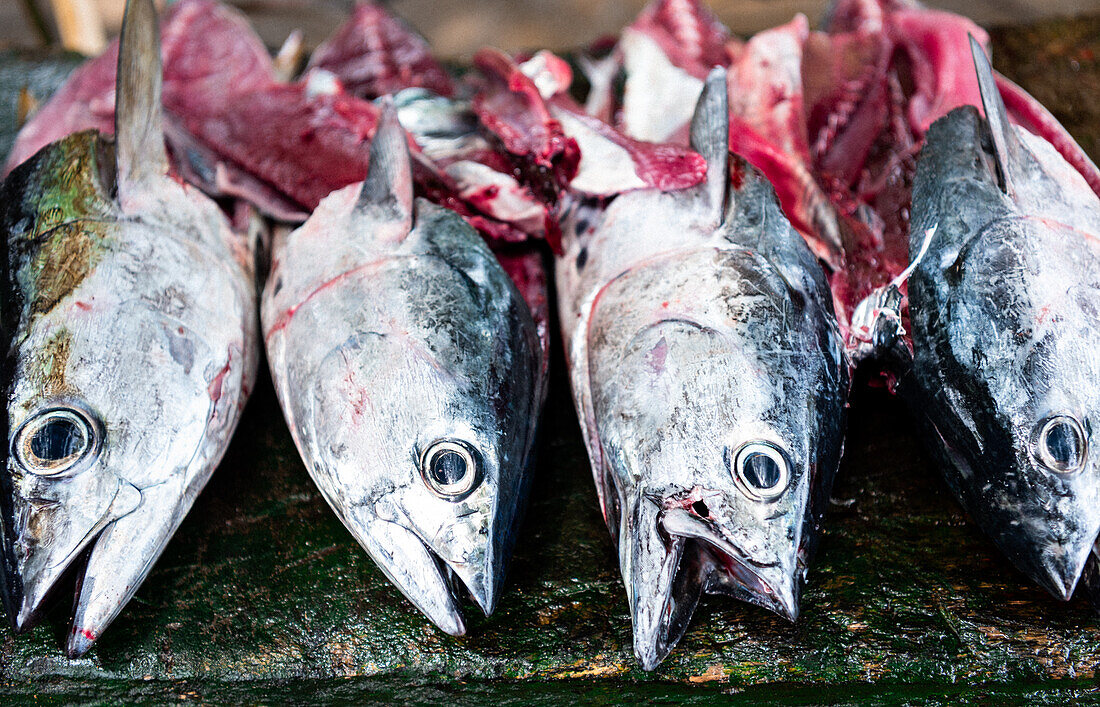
[
  {"x": 46, "y": 538},
  {"x": 411, "y": 566},
  {"x": 1055, "y": 566}
]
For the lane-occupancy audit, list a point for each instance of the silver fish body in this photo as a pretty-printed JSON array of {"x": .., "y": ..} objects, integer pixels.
[
  {"x": 408, "y": 369},
  {"x": 708, "y": 375},
  {"x": 1006, "y": 334},
  {"x": 130, "y": 320}
]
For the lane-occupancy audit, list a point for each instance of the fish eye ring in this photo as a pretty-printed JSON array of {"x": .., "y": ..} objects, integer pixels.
[
  {"x": 1061, "y": 444},
  {"x": 54, "y": 441},
  {"x": 450, "y": 469},
  {"x": 761, "y": 471}
]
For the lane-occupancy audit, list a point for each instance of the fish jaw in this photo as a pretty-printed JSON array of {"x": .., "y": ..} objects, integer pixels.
[
  {"x": 44, "y": 537},
  {"x": 433, "y": 573},
  {"x": 1043, "y": 522},
  {"x": 411, "y": 566},
  {"x": 776, "y": 586},
  {"x": 660, "y": 609},
  {"x": 121, "y": 557},
  {"x": 671, "y": 556}
]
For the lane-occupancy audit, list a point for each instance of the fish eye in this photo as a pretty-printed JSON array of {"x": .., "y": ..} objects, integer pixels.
[
  {"x": 54, "y": 441},
  {"x": 760, "y": 470},
  {"x": 1060, "y": 444},
  {"x": 450, "y": 469}
]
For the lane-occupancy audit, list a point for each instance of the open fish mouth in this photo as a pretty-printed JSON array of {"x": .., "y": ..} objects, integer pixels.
[
  {"x": 31, "y": 596},
  {"x": 434, "y": 585},
  {"x": 728, "y": 567},
  {"x": 103, "y": 567},
  {"x": 685, "y": 556}
]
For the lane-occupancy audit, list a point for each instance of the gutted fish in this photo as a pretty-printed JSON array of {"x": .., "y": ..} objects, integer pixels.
[
  {"x": 1006, "y": 333},
  {"x": 129, "y": 315},
  {"x": 410, "y": 373},
  {"x": 710, "y": 382}
]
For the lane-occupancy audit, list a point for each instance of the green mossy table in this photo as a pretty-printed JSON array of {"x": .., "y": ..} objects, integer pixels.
[{"x": 262, "y": 596}]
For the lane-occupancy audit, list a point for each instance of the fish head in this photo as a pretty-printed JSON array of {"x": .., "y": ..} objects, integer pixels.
[
  {"x": 423, "y": 433},
  {"x": 1014, "y": 404},
  {"x": 719, "y": 421},
  {"x": 713, "y": 392},
  {"x": 1006, "y": 333},
  {"x": 94, "y": 423},
  {"x": 412, "y": 381}
]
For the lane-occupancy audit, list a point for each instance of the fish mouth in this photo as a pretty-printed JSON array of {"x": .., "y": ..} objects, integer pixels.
[
  {"x": 670, "y": 558},
  {"x": 29, "y": 596},
  {"x": 733, "y": 573},
  {"x": 104, "y": 567},
  {"x": 434, "y": 585}
]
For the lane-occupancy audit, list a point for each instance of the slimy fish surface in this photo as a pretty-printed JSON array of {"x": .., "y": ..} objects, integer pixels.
[
  {"x": 1006, "y": 335},
  {"x": 410, "y": 372},
  {"x": 129, "y": 317}
]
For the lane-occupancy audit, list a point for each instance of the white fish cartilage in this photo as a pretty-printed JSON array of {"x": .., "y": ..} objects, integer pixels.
[
  {"x": 929, "y": 234},
  {"x": 876, "y": 321}
]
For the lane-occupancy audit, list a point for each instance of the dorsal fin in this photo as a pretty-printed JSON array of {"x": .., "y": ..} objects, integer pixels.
[
  {"x": 1006, "y": 145},
  {"x": 139, "y": 130},
  {"x": 387, "y": 192},
  {"x": 710, "y": 135}
]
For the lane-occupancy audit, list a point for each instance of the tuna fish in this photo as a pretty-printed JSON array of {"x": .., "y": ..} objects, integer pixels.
[
  {"x": 129, "y": 318},
  {"x": 1006, "y": 333},
  {"x": 410, "y": 372},
  {"x": 704, "y": 356},
  {"x": 236, "y": 129}
]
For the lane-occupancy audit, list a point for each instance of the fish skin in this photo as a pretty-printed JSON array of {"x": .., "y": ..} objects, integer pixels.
[
  {"x": 695, "y": 322},
  {"x": 129, "y": 303},
  {"x": 390, "y": 326},
  {"x": 1006, "y": 333}
]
